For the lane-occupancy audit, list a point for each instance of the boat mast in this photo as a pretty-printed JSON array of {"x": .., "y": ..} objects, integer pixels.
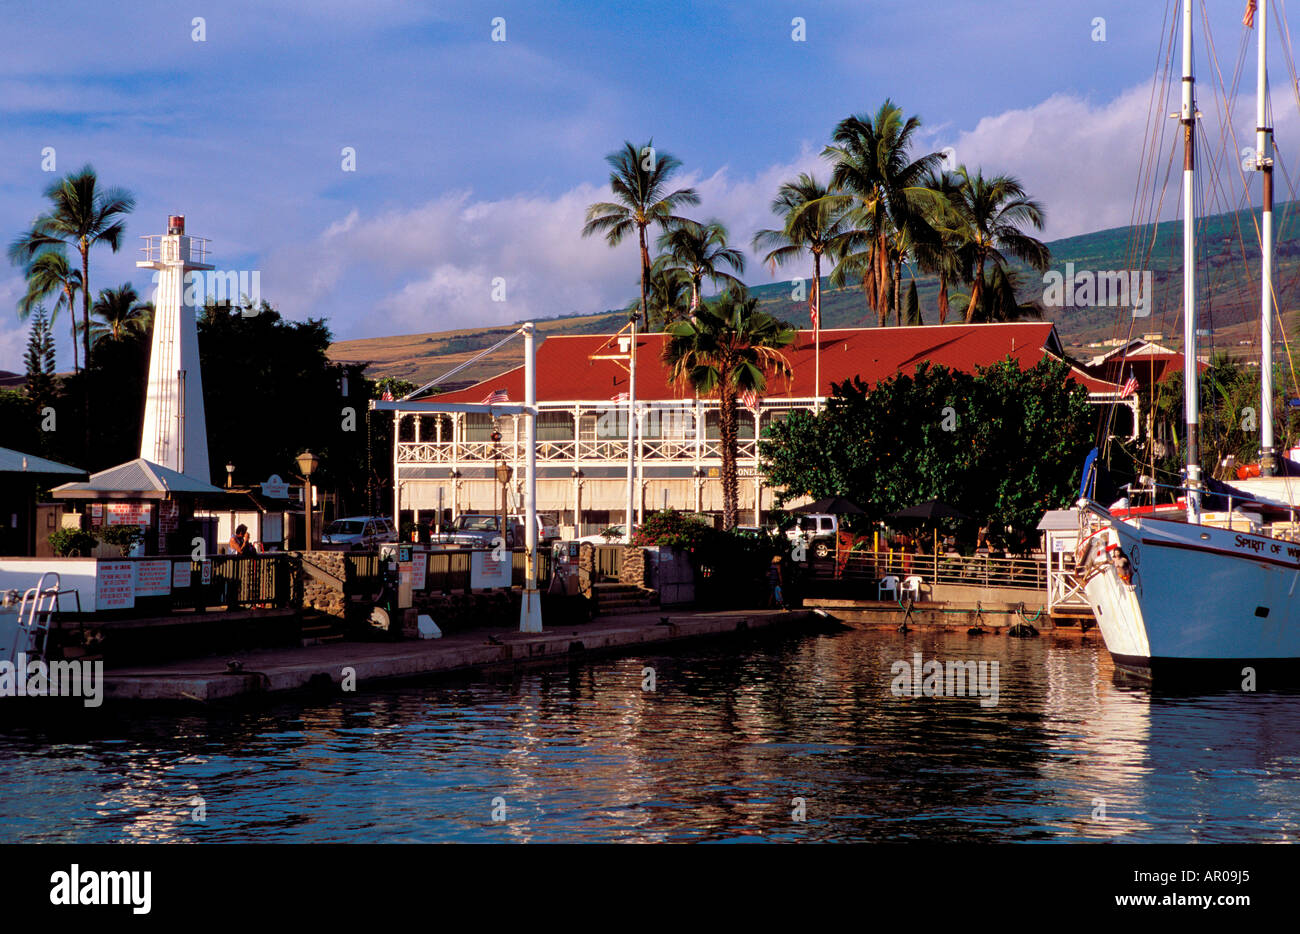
[
  {"x": 1191, "y": 402},
  {"x": 1264, "y": 165}
]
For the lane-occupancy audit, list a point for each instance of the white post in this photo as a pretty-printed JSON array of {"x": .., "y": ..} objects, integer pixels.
[
  {"x": 530, "y": 606},
  {"x": 1264, "y": 164},
  {"x": 1191, "y": 375},
  {"x": 631, "y": 433}
]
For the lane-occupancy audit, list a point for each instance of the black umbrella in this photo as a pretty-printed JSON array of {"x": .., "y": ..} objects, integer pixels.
[
  {"x": 833, "y": 506},
  {"x": 928, "y": 512}
]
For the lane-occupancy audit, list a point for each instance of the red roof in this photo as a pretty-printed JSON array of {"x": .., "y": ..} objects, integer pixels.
[{"x": 566, "y": 372}]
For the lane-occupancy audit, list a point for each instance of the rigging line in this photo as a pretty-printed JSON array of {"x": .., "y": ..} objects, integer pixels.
[{"x": 454, "y": 370}]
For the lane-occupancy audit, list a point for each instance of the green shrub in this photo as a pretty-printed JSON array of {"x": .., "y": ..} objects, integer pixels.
[
  {"x": 72, "y": 542},
  {"x": 125, "y": 537}
]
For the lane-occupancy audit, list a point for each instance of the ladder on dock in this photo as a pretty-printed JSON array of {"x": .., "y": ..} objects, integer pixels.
[{"x": 36, "y": 613}]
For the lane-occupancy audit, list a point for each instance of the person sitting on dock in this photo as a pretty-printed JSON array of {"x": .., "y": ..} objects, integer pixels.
[
  {"x": 774, "y": 579},
  {"x": 241, "y": 542}
]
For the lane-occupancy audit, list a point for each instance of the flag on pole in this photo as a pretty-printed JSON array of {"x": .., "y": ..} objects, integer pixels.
[
  {"x": 812, "y": 306},
  {"x": 1130, "y": 385},
  {"x": 387, "y": 396},
  {"x": 619, "y": 397},
  {"x": 1249, "y": 19},
  {"x": 750, "y": 400},
  {"x": 496, "y": 396}
]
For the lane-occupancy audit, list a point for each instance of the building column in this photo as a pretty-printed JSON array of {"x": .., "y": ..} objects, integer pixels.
[{"x": 758, "y": 501}]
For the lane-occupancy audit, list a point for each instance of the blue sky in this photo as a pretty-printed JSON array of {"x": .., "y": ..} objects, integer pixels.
[{"x": 475, "y": 159}]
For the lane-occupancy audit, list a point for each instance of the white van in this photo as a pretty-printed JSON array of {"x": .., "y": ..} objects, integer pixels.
[{"x": 548, "y": 526}]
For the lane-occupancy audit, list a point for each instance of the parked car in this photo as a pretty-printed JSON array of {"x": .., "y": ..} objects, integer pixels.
[
  {"x": 359, "y": 532},
  {"x": 481, "y": 530},
  {"x": 817, "y": 531},
  {"x": 616, "y": 535},
  {"x": 548, "y": 527}
]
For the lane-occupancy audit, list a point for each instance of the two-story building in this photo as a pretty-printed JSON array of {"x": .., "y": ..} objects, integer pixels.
[{"x": 449, "y": 461}]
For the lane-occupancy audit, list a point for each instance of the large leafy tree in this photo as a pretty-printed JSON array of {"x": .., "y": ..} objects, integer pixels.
[
  {"x": 119, "y": 312},
  {"x": 730, "y": 348},
  {"x": 49, "y": 275},
  {"x": 669, "y": 296},
  {"x": 991, "y": 214},
  {"x": 811, "y": 223},
  {"x": 701, "y": 252},
  {"x": 639, "y": 182},
  {"x": 882, "y": 190},
  {"x": 81, "y": 215},
  {"x": 1003, "y": 445}
]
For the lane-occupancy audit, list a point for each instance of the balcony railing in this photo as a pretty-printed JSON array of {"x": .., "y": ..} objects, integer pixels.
[{"x": 587, "y": 450}]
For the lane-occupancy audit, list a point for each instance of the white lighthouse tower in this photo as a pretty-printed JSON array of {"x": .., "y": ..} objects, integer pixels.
[{"x": 175, "y": 430}]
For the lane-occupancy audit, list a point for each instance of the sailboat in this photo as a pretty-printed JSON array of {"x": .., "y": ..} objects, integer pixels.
[{"x": 1185, "y": 591}]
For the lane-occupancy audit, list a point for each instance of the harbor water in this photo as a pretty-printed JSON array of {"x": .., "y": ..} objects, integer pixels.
[{"x": 770, "y": 738}]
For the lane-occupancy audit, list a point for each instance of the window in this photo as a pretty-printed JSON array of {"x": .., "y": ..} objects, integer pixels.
[{"x": 744, "y": 425}]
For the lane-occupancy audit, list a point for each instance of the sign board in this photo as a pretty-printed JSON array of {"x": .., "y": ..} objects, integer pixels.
[
  {"x": 275, "y": 488},
  {"x": 181, "y": 574},
  {"x": 206, "y": 576},
  {"x": 114, "y": 585},
  {"x": 169, "y": 514},
  {"x": 153, "y": 578},
  {"x": 403, "y": 554},
  {"x": 140, "y": 514},
  {"x": 419, "y": 569},
  {"x": 486, "y": 572},
  {"x": 97, "y": 509},
  {"x": 1062, "y": 544}
]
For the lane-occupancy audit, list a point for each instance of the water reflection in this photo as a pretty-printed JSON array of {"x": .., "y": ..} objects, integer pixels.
[{"x": 732, "y": 735}]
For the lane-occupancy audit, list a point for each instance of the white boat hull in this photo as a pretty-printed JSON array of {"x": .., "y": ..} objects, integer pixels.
[{"x": 1197, "y": 596}]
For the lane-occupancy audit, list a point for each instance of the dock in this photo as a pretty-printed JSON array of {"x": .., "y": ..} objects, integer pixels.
[{"x": 260, "y": 672}]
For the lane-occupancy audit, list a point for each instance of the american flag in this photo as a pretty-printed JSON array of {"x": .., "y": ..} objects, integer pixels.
[
  {"x": 750, "y": 399},
  {"x": 812, "y": 313},
  {"x": 1130, "y": 385},
  {"x": 496, "y": 396},
  {"x": 387, "y": 396},
  {"x": 1249, "y": 19}
]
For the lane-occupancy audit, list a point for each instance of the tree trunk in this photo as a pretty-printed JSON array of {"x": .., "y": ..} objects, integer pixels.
[
  {"x": 882, "y": 280},
  {"x": 72, "y": 313},
  {"x": 85, "y": 320},
  {"x": 645, "y": 278},
  {"x": 976, "y": 292},
  {"x": 898, "y": 292},
  {"x": 943, "y": 298},
  {"x": 727, "y": 429}
]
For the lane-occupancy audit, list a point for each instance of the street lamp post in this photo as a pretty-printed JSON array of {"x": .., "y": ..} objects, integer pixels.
[
  {"x": 307, "y": 463},
  {"x": 504, "y": 471},
  {"x": 230, "y": 474}
]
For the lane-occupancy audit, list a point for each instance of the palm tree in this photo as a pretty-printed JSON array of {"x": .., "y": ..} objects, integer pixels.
[
  {"x": 81, "y": 215},
  {"x": 998, "y": 299},
  {"x": 883, "y": 191},
  {"x": 942, "y": 254},
  {"x": 120, "y": 311},
  {"x": 639, "y": 183},
  {"x": 700, "y": 250},
  {"x": 669, "y": 295},
  {"x": 812, "y": 222},
  {"x": 990, "y": 214},
  {"x": 728, "y": 349},
  {"x": 49, "y": 274}
]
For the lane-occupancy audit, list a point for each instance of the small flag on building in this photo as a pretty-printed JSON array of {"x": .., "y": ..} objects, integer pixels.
[
  {"x": 1249, "y": 19},
  {"x": 387, "y": 396},
  {"x": 496, "y": 396},
  {"x": 750, "y": 400},
  {"x": 1130, "y": 385},
  {"x": 619, "y": 397}
]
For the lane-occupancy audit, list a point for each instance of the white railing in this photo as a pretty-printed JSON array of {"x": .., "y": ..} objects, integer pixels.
[{"x": 563, "y": 452}]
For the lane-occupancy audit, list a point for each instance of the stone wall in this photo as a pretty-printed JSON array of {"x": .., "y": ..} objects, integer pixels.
[
  {"x": 324, "y": 596},
  {"x": 637, "y": 569},
  {"x": 455, "y": 612}
]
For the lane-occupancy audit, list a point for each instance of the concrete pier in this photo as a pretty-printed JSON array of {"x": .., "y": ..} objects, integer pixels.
[{"x": 263, "y": 671}]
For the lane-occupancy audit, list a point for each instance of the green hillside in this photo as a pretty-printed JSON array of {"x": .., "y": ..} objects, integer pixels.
[{"x": 1228, "y": 285}]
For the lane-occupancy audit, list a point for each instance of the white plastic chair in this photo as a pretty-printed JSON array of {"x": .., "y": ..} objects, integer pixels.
[
  {"x": 912, "y": 586},
  {"x": 890, "y": 584}
]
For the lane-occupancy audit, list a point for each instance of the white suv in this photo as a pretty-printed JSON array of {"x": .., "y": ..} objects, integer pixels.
[
  {"x": 359, "y": 532},
  {"x": 817, "y": 531}
]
